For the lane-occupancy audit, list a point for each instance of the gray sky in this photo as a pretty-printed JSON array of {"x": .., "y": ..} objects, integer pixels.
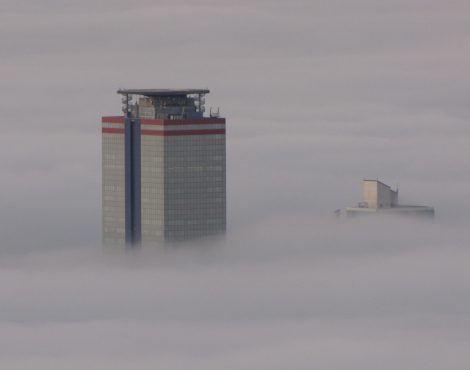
[{"x": 317, "y": 95}]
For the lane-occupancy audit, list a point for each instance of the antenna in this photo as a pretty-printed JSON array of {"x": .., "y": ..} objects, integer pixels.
[
  {"x": 214, "y": 114},
  {"x": 126, "y": 104},
  {"x": 199, "y": 102}
]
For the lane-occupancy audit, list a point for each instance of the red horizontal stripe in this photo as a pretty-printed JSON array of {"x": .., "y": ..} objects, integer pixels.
[
  {"x": 167, "y": 122},
  {"x": 112, "y": 119},
  {"x": 147, "y": 121},
  {"x": 183, "y": 132},
  {"x": 110, "y": 130}
]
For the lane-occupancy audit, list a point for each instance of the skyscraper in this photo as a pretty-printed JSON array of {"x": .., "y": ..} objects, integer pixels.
[{"x": 163, "y": 166}]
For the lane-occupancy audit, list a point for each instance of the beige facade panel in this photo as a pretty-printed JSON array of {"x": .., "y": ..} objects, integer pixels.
[
  {"x": 153, "y": 190},
  {"x": 113, "y": 219}
]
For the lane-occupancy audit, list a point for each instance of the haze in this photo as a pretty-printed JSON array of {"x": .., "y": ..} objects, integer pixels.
[{"x": 317, "y": 96}]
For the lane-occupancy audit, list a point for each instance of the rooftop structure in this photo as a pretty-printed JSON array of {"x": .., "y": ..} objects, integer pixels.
[
  {"x": 165, "y": 103},
  {"x": 163, "y": 168},
  {"x": 378, "y": 197},
  {"x": 163, "y": 92}
]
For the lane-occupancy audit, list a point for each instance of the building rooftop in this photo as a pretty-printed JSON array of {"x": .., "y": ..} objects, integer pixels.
[
  {"x": 377, "y": 181},
  {"x": 382, "y": 199},
  {"x": 163, "y": 92},
  {"x": 399, "y": 209}
]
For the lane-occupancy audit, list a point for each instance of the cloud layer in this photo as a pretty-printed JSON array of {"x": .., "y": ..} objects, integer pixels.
[{"x": 354, "y": 295}]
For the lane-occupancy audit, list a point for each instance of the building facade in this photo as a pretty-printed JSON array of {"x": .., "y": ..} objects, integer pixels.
[{"x": 164, "y": 169}]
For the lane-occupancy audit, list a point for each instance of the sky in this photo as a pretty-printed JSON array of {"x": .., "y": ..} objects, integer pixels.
[{"x": 317, "y": 95}]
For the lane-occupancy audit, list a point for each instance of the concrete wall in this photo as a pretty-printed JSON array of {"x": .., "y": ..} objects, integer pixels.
[
  {"x": 384, "y": 198},
  {"x": 370, "y": 193},
  {"x": 378, "y": 195}
]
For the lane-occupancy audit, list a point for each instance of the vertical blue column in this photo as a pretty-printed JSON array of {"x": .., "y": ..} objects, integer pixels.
[
  {"x": 132, "y": 181},
  {"x": 136, "y": 186}
]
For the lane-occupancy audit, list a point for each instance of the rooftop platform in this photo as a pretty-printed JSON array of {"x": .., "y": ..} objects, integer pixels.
[
  {"x": 422, "y": 212},
  {"x": 399, "y": 209},
  {"x": 163, "y": 92}
]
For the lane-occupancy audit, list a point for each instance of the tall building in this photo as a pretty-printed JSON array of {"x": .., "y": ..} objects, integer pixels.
[
  {"x": 163, "y": 167},
  {"x": 378, "y": 197}
]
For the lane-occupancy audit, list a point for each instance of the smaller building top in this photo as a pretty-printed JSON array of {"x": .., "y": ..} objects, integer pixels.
[
  {"x": 163, "y": 92},
  {"x": 376, "y": 181},
  {"x": 379, "y": 197}
]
